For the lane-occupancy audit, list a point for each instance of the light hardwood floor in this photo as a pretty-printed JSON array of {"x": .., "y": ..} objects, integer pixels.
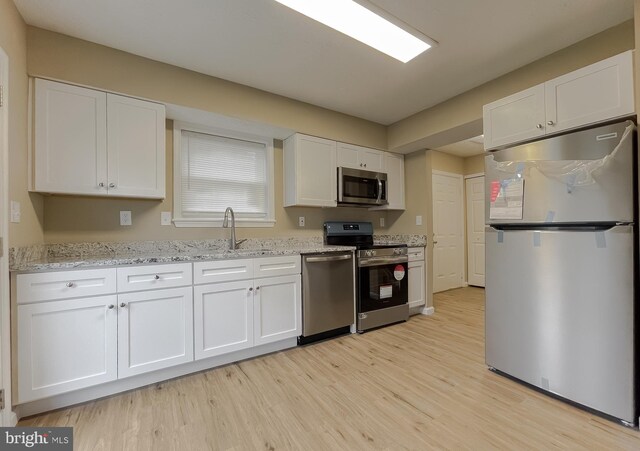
[{"x": 418, "y": 385}]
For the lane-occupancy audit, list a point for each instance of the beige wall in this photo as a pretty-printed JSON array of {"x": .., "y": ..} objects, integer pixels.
[
  {"x": 13, "y": 40},
  {"x": 446, "y": 163},
  {"x": 474, "y": 165},
  {"x": 461, "y": 117}
]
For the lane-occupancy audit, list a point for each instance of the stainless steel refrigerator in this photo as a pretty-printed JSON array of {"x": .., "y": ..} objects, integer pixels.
[{"x": 561, "y": 251}]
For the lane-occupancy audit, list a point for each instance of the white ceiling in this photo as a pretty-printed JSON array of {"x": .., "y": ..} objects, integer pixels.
[
  {"x": 264, "y": 44},
  {"x": 464, "y": 149}
]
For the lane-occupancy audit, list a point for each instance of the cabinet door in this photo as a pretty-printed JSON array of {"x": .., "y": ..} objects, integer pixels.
[
  {"x": 277, "y": 309},
  {"x": 516, "y": 118},
  {"x": 136, "y": 147},
  {"x": 155, "y": 330},
  {"x": 598, "y": 92},
  {"x": 372, "y": 159},
  {"x": 310, "y": 171},
  {"x": 416, "y": 282},
  {"x": 70, "y": 153},
  {"x": 394, "y": 166},
  {"x": 223, "y": 318},
  {"x": 348, "y": 156},
  {"x": 65, "y": 345}
]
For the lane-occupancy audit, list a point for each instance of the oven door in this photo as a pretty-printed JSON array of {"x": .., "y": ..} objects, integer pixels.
[
  {"x": 382, "y": 283},
  {"x": 361, "y": 187}
]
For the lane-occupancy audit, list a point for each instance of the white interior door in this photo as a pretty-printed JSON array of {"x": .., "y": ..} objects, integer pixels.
[
  {"x": 474, "y": 188},
  {"x": 448, "y": 250}
]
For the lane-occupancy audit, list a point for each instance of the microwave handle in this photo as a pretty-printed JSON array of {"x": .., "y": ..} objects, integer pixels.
[{"x": 379, "y": 190}]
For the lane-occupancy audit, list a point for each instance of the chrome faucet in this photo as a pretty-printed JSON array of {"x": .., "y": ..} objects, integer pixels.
[{"x": 233, "y": 244}]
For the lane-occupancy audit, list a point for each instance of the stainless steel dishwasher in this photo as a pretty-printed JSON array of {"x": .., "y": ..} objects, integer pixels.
[{"x": 328, "y": 295}]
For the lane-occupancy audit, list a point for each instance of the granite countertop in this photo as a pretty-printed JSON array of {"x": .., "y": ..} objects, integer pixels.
[{"x": 66, "y": 256}]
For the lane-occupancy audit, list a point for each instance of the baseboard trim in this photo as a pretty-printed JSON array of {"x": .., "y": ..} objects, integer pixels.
[{"x": 428, "y": 311}]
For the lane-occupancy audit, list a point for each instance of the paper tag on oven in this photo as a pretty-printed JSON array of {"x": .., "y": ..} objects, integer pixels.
[
  {"x": 386, "y": 291},
  {"x": 399, "y": 272}
]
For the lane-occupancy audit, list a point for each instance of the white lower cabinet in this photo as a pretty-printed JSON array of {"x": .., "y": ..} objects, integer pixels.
[
  {"x": 223, "y": 318},
  {"x": 155, "y": 330},
  {"x": 417, "y": 277},
  {"x": 277, "y": 312},
  {"x": 66, "y": 345}
]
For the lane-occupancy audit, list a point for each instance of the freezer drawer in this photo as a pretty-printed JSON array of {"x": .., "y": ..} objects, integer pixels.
[
  {"x": 585, "y": 176},
  {"x": 560, "y": 313}
]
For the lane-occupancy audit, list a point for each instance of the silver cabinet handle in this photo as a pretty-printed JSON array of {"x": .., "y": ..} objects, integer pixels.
[
  {"x": 112, "y": 185},
  {"x": 156, "y": 277},
  {"x": 70, "y": 284},
  {"x": 110, "y": 306},
  {"x": 539, "y": 126},
  {"x": 550, "y": 122},
  {"x": 122, "y": 304},
  {"x": 334, "y": 258},
  {"x": 101, "y": 185}
]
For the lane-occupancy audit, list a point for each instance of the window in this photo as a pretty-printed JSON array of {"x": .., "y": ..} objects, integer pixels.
[{"x": 215, "y": 169}]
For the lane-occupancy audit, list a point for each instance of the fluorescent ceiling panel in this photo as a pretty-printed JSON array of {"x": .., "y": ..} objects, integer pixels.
[{"x": 358, "y": 22}]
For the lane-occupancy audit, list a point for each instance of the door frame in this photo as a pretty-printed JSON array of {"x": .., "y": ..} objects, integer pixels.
[
  {"x": 460, "y": 179},
  {"x": 466, "y": 223},
  {"x": 8, "y": 417}
]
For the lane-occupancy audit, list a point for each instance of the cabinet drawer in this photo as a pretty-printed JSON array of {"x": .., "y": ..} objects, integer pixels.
[
  {"x": 276, "y": 266},
  {"x": 153, "y": 277},
  {"x": 48, "y": 286},
  {"x": 222, "y": 271},
  {"x": 415, "y": 254}
]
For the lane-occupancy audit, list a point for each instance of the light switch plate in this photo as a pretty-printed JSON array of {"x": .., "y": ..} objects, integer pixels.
[
  {"x": 419, "y": 220},
  {"x": 15, "y": 211},
  {"x": 165, "y": 218},
  {"x": 125, "y": 218},
  {"x": 381, "y": 222}
]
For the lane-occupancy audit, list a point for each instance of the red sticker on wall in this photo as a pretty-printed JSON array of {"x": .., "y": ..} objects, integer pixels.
[
  {"x": 495, "y": 190},
  {"x": 399, "y": 272}
]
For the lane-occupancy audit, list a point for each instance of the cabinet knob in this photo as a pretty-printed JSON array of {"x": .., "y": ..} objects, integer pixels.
[
  {"x": 110, "y": 306},
  {"x": 360, "y": 164},
  {"x": 122, "y": 304},
  {"x": 539, "y": 126},
  {"x": 70, "y": 284},
  {"x": 156, "y": 277},
  {"x": 365, "y": 165},
  {"x": 112, "y": 185},
  {"x": 101, "y": 185},
  {"x": 257, "y": 288},
  {"x": 550, "y": 123},
  {"x": 250, "y": 288}
]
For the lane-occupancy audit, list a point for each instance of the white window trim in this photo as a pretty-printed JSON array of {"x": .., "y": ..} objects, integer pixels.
[{"x": 178, "y": 220}]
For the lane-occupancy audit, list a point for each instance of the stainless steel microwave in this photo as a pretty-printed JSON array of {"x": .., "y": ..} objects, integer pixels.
[{"x": 364, "y": 188}]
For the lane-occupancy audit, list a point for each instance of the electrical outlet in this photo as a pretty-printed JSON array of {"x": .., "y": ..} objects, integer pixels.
[
  {"x": 165, "y": 218},
  {"x": 418, "y": 220},
  {"x": 381, "y": 222},
  {"x": 125, "y": 218},
  {"x": 15, "y": 211},
  {"x": 301, "y": 221}
]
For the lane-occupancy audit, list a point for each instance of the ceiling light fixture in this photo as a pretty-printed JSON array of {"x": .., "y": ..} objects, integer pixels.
[{"x": 358, "y": 22}]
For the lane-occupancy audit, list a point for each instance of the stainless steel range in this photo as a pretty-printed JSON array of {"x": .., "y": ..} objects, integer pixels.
[{"x": 381, "y": 276}]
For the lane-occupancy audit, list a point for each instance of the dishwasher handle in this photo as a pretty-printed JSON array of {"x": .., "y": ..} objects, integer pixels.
[{"x": 334, "y": 258}]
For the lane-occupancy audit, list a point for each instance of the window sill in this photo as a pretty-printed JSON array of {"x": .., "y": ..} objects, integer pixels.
[{"x": 215, "y": 223}]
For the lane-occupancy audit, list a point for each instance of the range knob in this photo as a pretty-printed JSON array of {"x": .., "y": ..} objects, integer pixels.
[{"x": 370, "y": 253}]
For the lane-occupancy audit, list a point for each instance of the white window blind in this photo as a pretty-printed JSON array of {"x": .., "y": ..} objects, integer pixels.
[{"x": 217, "y": 172}]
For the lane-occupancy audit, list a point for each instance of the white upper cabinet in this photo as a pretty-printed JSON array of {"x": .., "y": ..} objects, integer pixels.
[
  {"x": 310, "y": 176},
  {"x": 593, "y": 94},
  {"x": 135, "y": 147},
  {"x": 358, "y": 157},
  {"x": 88, "y": 142},
  {"x": 70, "y": 139},
  {"x": 394, "y": 167}
]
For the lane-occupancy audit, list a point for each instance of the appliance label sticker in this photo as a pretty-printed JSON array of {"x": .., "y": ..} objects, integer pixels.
[
  {"x": 398, "y": 272},
  {"x": 386, "y": 291},
  {"x": 508, "y": 202}
]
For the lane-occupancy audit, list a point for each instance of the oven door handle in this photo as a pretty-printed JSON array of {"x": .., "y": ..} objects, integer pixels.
[
  {"x": 328, "y": 259},
  {"x": 379, "y": 190},
  {"x": 379, "y": 261}
]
